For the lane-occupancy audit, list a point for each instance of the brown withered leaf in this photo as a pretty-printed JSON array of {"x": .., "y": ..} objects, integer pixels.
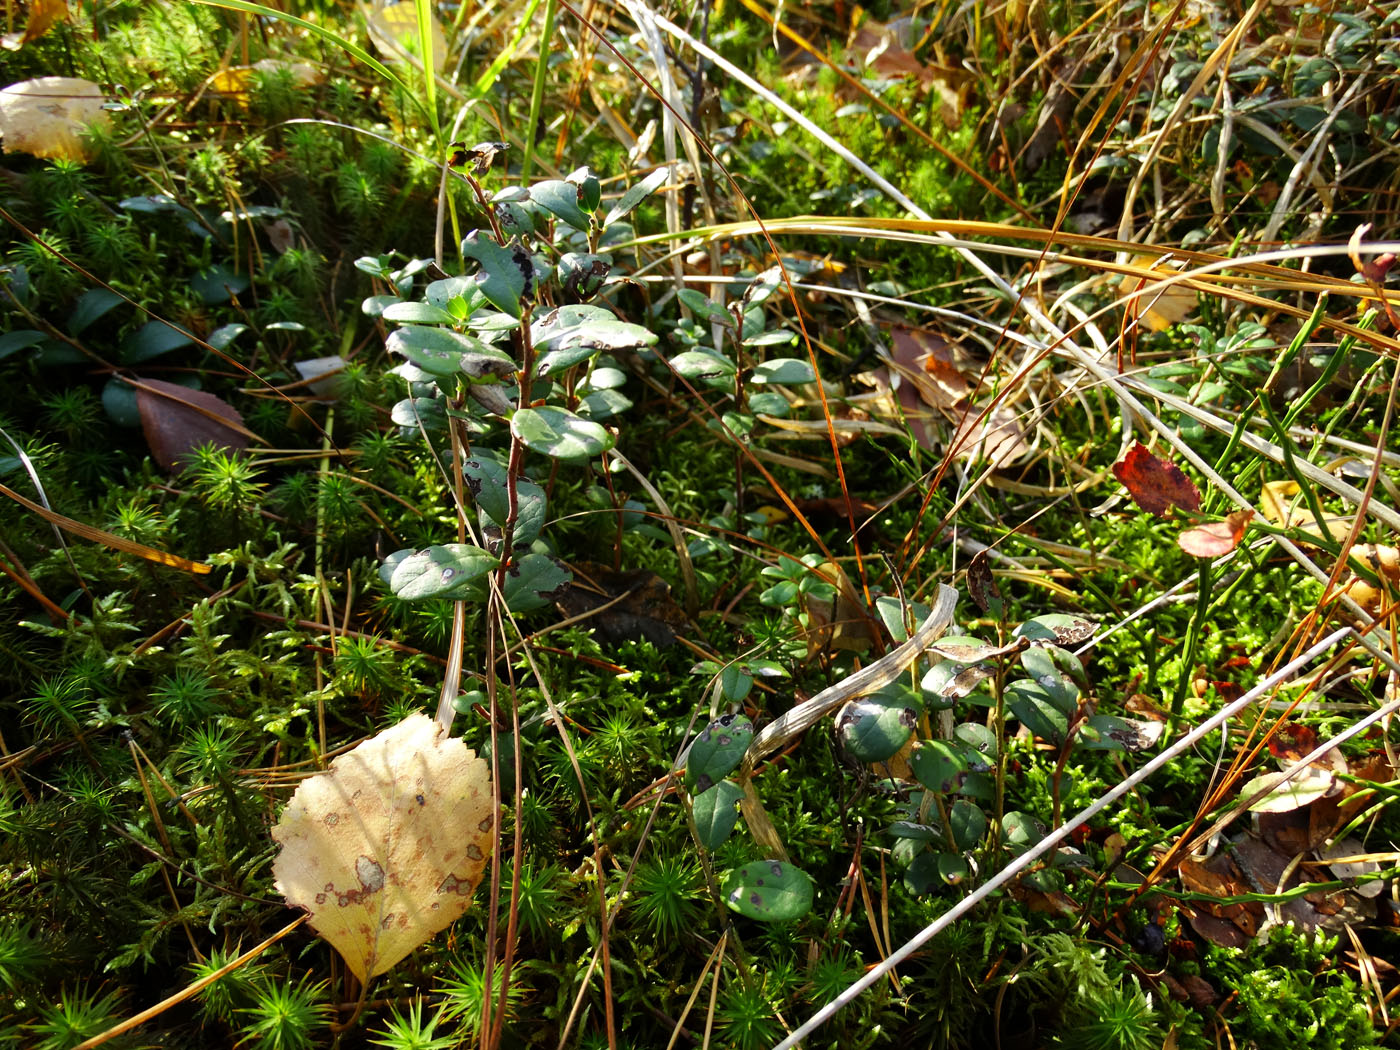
[
  {"x": 634, "y": 605},
  {"x": 981, "y": 584},
  {"x": 387, "y": 847},
  {"x": 1216, "y": 538},
  {"x": 1155, "y": 484},
  {"x": 840, "y": 623},
  {"x": 176, "y": 419},
  {"x": 1218, "y": 877}
]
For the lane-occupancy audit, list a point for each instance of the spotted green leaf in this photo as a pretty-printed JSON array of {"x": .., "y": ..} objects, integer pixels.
[
  {"x": 560, "y": 199},
  {"x": 939, "y": 765},
  {"x": 873, "y": 728},
  {"x": 716, "y": 752},
  {"x": 442, "y": 352},
  {"x": 451, "y": 570},
  {"x": 768, "y": 890}
]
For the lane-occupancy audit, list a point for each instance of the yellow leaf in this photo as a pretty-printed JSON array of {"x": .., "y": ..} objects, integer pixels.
[
  {"x": 386, "y": 848},
  {"x": 1161, "y": 308},
  {"x": 43, "y": 16},
  {"x": 46, "y": 116},
  {"x": 236, "y": 81},
  {"x": 1282, "y": 503}
]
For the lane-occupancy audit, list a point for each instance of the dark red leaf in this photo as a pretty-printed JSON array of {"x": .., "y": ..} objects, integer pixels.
[{"x": 1155, "y": 485}]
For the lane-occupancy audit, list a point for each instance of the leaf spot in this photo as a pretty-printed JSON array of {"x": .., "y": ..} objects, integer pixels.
[{"x": 370, "y": 874}]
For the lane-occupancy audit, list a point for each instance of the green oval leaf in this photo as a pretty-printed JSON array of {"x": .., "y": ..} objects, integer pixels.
[
  {"x": 603, "y": 404},
  {"x": 560, "y": 199},
  {"x": 571, "y": 334},
  {"x": 506, "y": 274},
  {"x": 582, "y": 274},
  {"x": 1021, "y": 831},
  {"x": 489, "y": 483},
  {"x": 559, "y": 434},
  {"x": 218, "y": 284},
  {"x": 92, "y": 304},
  {"x": 968, "y": 824},
  {"x": 428, "y": 412},
  {"x": 638, "y": 193},
  {"x": 769, "y": 890},
  {"x": 151, "y": 340},
  {"x": 701, "y": 364},
  {"x": 590, "y": 190},
  {"x": 417, "y": 313},
  {"x": 921, "y": 876},
  {"x": 979, "y": 744},
  {"x": 20, "y": 339},
  {"x": 442, "y": 352},
  {"x": 783, "y": 370},
  {"x": 952, "y": 869},
  {"x": 1037, "y": 711},
  {"x": 873, "y": 728},
  {"x": 716, "y": 752},
  {"x": 447, "y": 571},
  {"x": 716, "y": 811},
  {"x": 1043, "y": 665}
]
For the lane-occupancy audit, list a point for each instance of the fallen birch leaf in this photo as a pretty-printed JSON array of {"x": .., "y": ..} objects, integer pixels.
[
  {"x": 1155, "y": 484},
  {"x": 387, "y": 847},
  {"x": 45, "y": 117}
]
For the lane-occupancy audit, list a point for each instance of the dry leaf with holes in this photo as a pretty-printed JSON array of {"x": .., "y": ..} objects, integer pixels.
[
  {"x": 46, "y": 117},
  {"x": 387, "y": 847}
]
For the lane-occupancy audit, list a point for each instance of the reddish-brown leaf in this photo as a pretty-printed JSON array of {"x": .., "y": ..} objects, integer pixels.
[
  {"x": 1215, "y": 538},
  {"x": 176, "y": 419},
  {"x": 1155, "y": 485}
]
